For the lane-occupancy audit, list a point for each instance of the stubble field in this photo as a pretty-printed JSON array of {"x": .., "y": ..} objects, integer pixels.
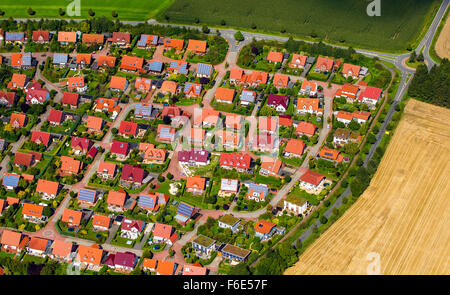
[
  {"x": 404, "y": 215},
  {"x": 443, "y": 42}
]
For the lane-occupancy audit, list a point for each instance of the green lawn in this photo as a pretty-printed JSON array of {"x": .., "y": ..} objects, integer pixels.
[
  {"x": 400, "y": 22},
  {"x": 127, "y": 10}
]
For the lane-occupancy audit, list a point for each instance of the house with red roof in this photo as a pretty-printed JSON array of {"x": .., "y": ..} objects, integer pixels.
[
  {"x": 118, "y": 83},
  {"x": 177, "y": 44},
  {"x": 361, "y": 116},
  {"x": 33, "y": 213},
  {"x": 344, "y": 117},
  {"x": 18, "y": 81},
  {"x": 348, "y": 91},
  {"x": 55, "y": 117},
  {"x": 238, "y": 161},
  {"x": 89, "y": 257},
  {"x": 270, "y": 166},
  {"x": 70, "y": 100},
  {"x": 101, "y": 222},
  {"x": 370, "y": 96},
  {"x": 132, "y": 64},
  {"x": 164, "y": 233},
  {"x": 257, "y": 77},
  {"x": 330, "y": 155},
  {"x": 196, "y": 185},
  {"x": 67, "y": 37},
  {"x": 80, "y": 145},
  {"x": 94, "y": 124},
  {"x": 323, "y": 65},
  {"x": 72, "y": 217},
  {"x": 62, "y": 251},
  {"x": 132, "y": 176},
  {"x": 350, "y": 70},
  {"x": 294, "y": 148},
  {"x": 274, "y": 57},
  {"x": 116, "y": 200},
  {"x": 83, "y": 59},
  {"x": 312, "y": 181},
  {"x": 308, "y": 88},
  {"x": 197, "y": 46},
  {"x": 166, "y": 268},
  {"x": 8, "y": 98},
  {"x": 120, "y": 149},
  {"x": 298, "y": 61},
  {"x": 166, "y": 133},
  {"x": 40, "y": 137},
  {"x": 236, "y": 75},
  {"x": 41, "y": 36},
  {"x": 131, "y": 228},
  {"x": 77, "y": 84},
  {"x": 106, "y": 61},
  {"x": 264, "y": 229},
  {"x": 305, "y": 128},
  {"x": 309, "y": 105},
  {"x": 225, "y": 95},
  {"x": 264, "y": 142},
  {"x": 128, "y": 129},
  {"x": 47, "y": 189},
  {"x": 280, "y": 80},
  {"x": 13, "y": 242},
  {"x": 194, "y": 270},
  {"x": 121, "y": 39},
  {"x": 106, "y": 170},
  {"x": 39, "y": 247},
  {"x": 93, "y": 39},
  {"x": 268, "y": 124},
  {"x": 143, "y": 84},
  {"x": 123, "y": 262},
  {"x": 35, "y": 94},
  {"x": 70, "y": 166},
  {"x": 18, "y": 120},
  {"x": 279, "y": 102}
]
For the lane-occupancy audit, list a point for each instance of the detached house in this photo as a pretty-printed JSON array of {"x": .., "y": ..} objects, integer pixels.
[
  {"x": 240, "y": 162},
  {"x": 21, "y": 60},
  {"x": 197, "y": 46},
  {"x": 36, "y": 94},
  {"x": 204, "y": 70},
  {"x": 131, "y": 228},
  {"x": 274, "y": 57},
  {"x": 118, "y": 83},
  {"x": 13, "y": 242},
  {"x": 122, "y": 262},
  {"x": 153, "y": 155},
  {"x": 330, "y": 155},
  {"x": 47, "y": 189},
  {"x": 350, "y": 70},
  {"x": 116, "y": 201},
  {"x": 8, "y": 98},
  {"x": 39, "y": 247},
  {"x": 203, "y": 246},
  {"x": 83, "y": 59},
  {"x": 80, "y": 145},
  {"x": 298, "y": 61},
  {"x": 207, "y": 119},
  {"x": 41, "y": 36},
  {"x": 62, "y": 251},
  {"x": 192, "y": 89},
  {"x": 101, "y": 222},
  {"x": 370, "y": 96},
  {"x": 18, "y": 120},
  {"x": 361, "y": 116},
  {"x": 40, "y": 137},
  {"x": 194, "y": 157},
  {"x": 268, "y": 124},
  {"x": 229, "y": 221},
  {"x": 143, "y": 111},
  {"x": 257, "y": 192},
  {"x": 94, "y": 124},
  {"x": 344, "y": 117},
  {"x": 10, "y": 181},
  {"x": 312, "y": 181},
  {"x": 143, "y": 84},
  {"x": 149, "y": 202},
  {"x": 308, "y": 88},
  {"x": 294, "y": 148},
  {"x": 233, "y": 121},
  {"x": 177, "y": 44},
  {"x": 163, "y": 233},
  {"x": 33, "y": 213},
  {"x": 343, "y": 136},
  {"x": 89, "y": 256},
  {"x": 279, "y": 102},
  {"x": 15, "y": 37},
  {"x": 280, "y": 80},
  {"x": 225, "y": 95},
  {"x": 70, "y": 100},
  {"x": 77, "y": 84},
  {"x": 323, "y": 65},
  {"x": 106, "y": 61},
  {"x": 67, "y": 37},
  {"x": 60, "y": 59},
  {"x": 120, "y": 38},
  {"x": 264, "y": 229},
  {"x": 132, "y": 64},
  {"x": 295, "y": 204},
  {"x": 228, "y": 187},
  {"x": 270, "y": 167},
  {"x": 72, "y": 217},
  {"x": 247, "y": 97},
  {"x": 229, "y": 139},
  {"x": 166, "y": 133},
  {"x": 169, "y": 87},
  {"x": 147, "y": 41},
  {"x": 132, "y": 176},
  {"x": 119, "y": 149},
  {"x": 106, "y": 170},
  {"x": 178, "y": 67},
  {"x": 87, "y": 197},
  {"x": 55, "y": 117},
  {"x": 306, "y": 128},
  {"x": 128, "y": 129},
  {"x": 18, "y": 81},
  {"x": 93, "y": 39},
  {"x": 256, "y": 78},
  {"x": 349, "y": 92},
  {"x": 184, "y": 213},
  {"x": 264, "y": 142},
  {"x": 309, "y": 105},
  {"x": 196, "y": 185},
  {"x": 70, "y": 166}
]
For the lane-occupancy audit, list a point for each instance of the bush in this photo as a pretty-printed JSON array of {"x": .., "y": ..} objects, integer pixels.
[
  {"x": 114, "y": 14},
  {"x": 323, "y": 219},
  {"x": 30, "y": 11},
  {"x": 91, "y": 12}
]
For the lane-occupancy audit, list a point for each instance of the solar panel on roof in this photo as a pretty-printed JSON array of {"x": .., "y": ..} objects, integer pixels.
[
  {"x": 86, "y": 195},
  {"x": 142, "y": 41},
  {"x": 146, "y": 201},
  {"x": 11, "y": 180},
  {"x": 165, "y": 133},
  {"x": 26, "y": 60},
  {"x": 185, "y": 210},
  {"x": 59, "y": 58},
  {"x": 204, "y": 69}
]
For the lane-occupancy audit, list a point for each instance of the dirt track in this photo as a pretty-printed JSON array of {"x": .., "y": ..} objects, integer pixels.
[
  {"x": 443, "y": 43},
  {"x": 404, "y": 215}
]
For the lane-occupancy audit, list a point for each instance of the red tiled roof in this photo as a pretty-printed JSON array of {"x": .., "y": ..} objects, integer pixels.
[
  {"x": 118, "y": 82},
  {"x": 32, "y": 210},
  {"x": 40, "y": 137},
  {"x": 263, "y": 226},
  {"x": 67, "y": 37},
  {"x": 70, "y": 98},
  {"x": 106, "y": 61},
  {"x": 197, "y": 45},
  {"x": 128, "y": 128},
  {"x": 55, "y": 116},
  {"x": 132, "y": 63},
  {"x": 41, "y": 36},
  {"x": 312, "y": 177},
  {"x": 306, "y": 128},
  {"x": 46, "y": 186},
  {"x": 295, "y": 146},
  {"x": 236, "y": 160},
  {"x": 275, "y": 56}
]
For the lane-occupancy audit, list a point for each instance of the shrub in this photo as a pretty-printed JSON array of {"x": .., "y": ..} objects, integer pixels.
[{"x": 323, "y": 219}]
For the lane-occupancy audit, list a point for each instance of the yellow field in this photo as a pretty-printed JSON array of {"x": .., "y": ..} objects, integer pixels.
[
  {"x": 443, "y": 43},
  {"x": 404, "y": 215}
]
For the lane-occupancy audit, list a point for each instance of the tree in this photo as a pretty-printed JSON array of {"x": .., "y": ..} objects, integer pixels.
[
  {"x": 351, "y": 148},
  {"x": 114, "y": 14},
  {"x": 223, "y": 22},
  {"x": 205, "y": 29},
  {"x": 169, "y": 176},
  {"x": 323, "y": 219},
  {"x": 353, "y": 125},
  {"x": 240, "y": 269},
  {"x": 91, "y": 12},
  {"x": 238, "y": 36},
  {"x": 30, "y": 11},
  {"x": 61, "y": 11},
  {"x": 413, "y": 56}
]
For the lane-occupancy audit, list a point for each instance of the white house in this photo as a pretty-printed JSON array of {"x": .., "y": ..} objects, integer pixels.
[
  {"x": 295, "y": 205},
  {"x": 229, "y": 221}
]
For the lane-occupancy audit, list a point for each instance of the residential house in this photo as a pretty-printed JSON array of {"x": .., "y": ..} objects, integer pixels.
[
  {"x": 41, "y": 36},
  {"x": 132, "y": 64},
  {"x": 143, "y": 111},
  {"x": 238, "y": 161},
  {"x": 192, "y": 89},
  {"x": 47, "y": 189},
  {"x": 153, "y": 155},
  {"x": 55, "y": 117},
  {"x": 294, "y": 148},
  {"x": 229, "y": 221},
  {"x": 94, "y": 124},
  {"x": 10, "y": 180},
  {"x": 131, "y": 228},
  {"x": 308, "y": 88},
  {"x": 116, "y": 200},
  {"x": 312, "y": 181},
  {"x": 106, "y": 170},
  {"x": 270, "y": 166},
  {"x": 197, "y": 46},
  {"x": 194, "y": 157},
  {"x": 274, "y": 57},
  {"x": 132, "y": 176},
  {"x": 18, "y": 120},
  {"x": 268, "y": 124},
  {"x": 196, "y": 185},
  {"x": 225, "y": 95},
  {"x": 350, "y": 70},
  {"x": 13, "y": 242},
  {"x": 247, "y": 97},
  {"x": 33, "y": 213},
  {"x": 106, "y": 61},
  {"x": 264, "y": 142},
  {"x": 166, "y": 133},
  {"x": 323, "y": 65},
  {"x": 279, "y": 102},
  {"x": 177, "y": 44},
  {"x": 154, "y": 66},
  {"x": 306, "y": 128},
  {"x": 87, "y": 197},
  {"x": 361, "y": 116},
  {"x": 184, "y": 213},
  {"x": 67, "y": 37},
  {"x": 147, "y": 41},
  {"x": 72, "y": 217},
  {"x": 257, "y": 192},
  {"x": 164, "y": 233},
  {"x": 60, "y": 59},
  {"x": 298, "y": 61},
  {"x": 101, "y": 222},
  {"x": 21, "y": 60},
  {"x": 178, "y": 67},
  {"x": 119, "y": 149},
  {"x": 77, "y": 84},
  {"x": 122, "y": 261},
  {"x": 83, "y": 59},
  {"x": 70, "y": 100},
  {"x": 169, "y": 87},
  {"x": 18, "y": 81},
  {"x": 149, "y": 202},
  {"x": 15, "y": 37},
  {"x": 233, "y": 121},
  {"x": 203, "y": 246},
  {"x": 62, "y": 251},
  {"x": 39, "y": 247},
  {"x": 264, "y": 229},
  {"x": 121, "y": 38},
  {"x": 89, "y": 256},
  {"x": 309, "y": 105},
  {"x": 40, "y": 137},
  {"x": 8, "y": 98},
  {"x": 207, "y": 119},
  {"x": 295, "y": 204},
  {"x": 257, "y": 78},
  {"x": 194, "y": 270},
  {"x": 143, "y": 84},
  {"x": 128, "y": 129},
  {"x": 204, "y": 70},
  {"x": 70, "y": 166},
  {"x": 165, "y": 267},
  {"x": 280, "y": 80},
  {"x": 93, "y": 39},
  {"x": 228, "y": 187},
  {"x": 370, "y": 96},
  {"x": 349, "y": 92},
  {"x": 149, "y": 264},
  {"x": 344, "y": 117},
  {"x": 330, "y": 155},
  {"x": 36, "y": 94},
  {"x": 343, "y": 136},
  {"x": 236, "y": 75},
  {"x": 234, "y": 253},
  {"x": 118, "y": 83},
  {"x": 196, "y": 136},
  {"x": 80, "y": 145}
]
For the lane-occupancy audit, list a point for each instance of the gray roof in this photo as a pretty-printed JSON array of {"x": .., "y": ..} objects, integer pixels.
[
  {"x": 259, "y": 187},
  {"x": 14, "y": 36},
  {"x": 26, "y": 59},
  {"x": 60, "y": 58},
  {"x": 229, "y": 184},
  {"x": 155, "y": 66},
  {"x": 204, "y": 69},
  {"x": 247, "y": 95}
]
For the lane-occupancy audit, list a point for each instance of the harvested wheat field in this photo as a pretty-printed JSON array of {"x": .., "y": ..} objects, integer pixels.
[
  {"x": 443, "y": 42},
  {"x": 404, "y": 215}
]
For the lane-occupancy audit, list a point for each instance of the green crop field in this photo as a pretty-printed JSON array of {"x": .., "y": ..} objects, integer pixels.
[
  {"x": 401, "y": 21},
  {"x": 136, "y": 10}
]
